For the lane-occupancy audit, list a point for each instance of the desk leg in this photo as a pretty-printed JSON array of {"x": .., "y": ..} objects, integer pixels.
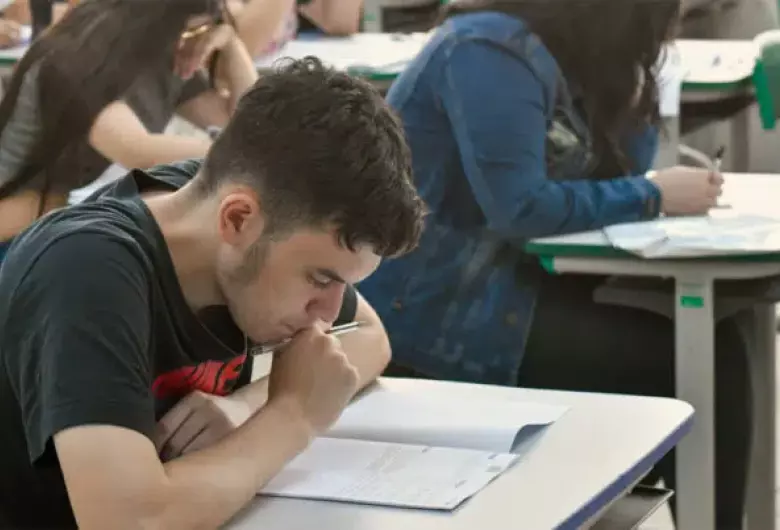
[
  {"x": 760, "y": 505},
  {"x": 372, "y": 16},
  {"x": 740, "y": 141},
  {"x": 695, "y": 374}
]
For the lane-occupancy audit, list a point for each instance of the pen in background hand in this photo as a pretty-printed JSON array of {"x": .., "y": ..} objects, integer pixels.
[
  {"x": 718, "y": 158},
  {"x": 335, "y": 331},
  {"x": 717, "y": 162}
]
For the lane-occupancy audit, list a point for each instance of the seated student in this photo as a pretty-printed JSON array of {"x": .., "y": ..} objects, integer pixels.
[
  {"x": 266, "y": 25},
  {"x": 112, "y": 311},
  {"x": 14, "y": 15},
  {"x": 333, "y": 17},
  {"x": 10, "y": 33},
  {"x": 528, "y": 119},
  {"x": 100, "y": 86}
]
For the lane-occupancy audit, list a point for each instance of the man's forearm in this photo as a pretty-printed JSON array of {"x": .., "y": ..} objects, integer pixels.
[
  {"x": 368, "y": 350},
  {"x": 208, "y": 487}
]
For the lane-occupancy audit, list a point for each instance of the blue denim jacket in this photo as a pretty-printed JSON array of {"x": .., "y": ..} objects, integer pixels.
[{"x": 500, "y": 155}]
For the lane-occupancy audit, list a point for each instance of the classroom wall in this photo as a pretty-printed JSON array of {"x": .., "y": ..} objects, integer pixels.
[{"x": 744, "y": 20}]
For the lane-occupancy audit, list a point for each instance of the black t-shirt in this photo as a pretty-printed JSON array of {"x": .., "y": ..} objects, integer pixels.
[{"x": 94, "y": 328}]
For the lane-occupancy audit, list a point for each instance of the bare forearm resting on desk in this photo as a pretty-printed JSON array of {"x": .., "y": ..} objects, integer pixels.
[{"x": 202, "y": 489}]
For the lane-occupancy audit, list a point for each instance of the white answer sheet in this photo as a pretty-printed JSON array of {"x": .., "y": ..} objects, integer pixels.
[{"x": 410, "y": 476}]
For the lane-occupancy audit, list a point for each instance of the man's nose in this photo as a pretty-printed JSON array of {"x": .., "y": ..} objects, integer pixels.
[{"x": 327, "y": 305}]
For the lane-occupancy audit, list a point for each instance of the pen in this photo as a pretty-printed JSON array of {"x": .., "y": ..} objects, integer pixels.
[
  {"x": 335, "y": 331},
  {"x": 717, "y": 161}
]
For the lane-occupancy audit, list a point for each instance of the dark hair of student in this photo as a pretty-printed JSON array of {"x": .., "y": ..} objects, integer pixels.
[
  {"x": 321, "y": 148},
  {"x": 88, "y": 60},
  {"x": 606, "y": 47}
]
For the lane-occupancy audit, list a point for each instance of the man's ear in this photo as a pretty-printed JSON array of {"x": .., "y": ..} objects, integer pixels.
[{"x": 241, "y": 219}]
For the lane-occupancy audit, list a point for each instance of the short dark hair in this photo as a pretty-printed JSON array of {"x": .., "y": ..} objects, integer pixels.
[{"x": 321, "y": 147}]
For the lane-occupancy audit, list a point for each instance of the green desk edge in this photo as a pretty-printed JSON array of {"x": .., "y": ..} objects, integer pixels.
[{"x": 547, "y": 252}]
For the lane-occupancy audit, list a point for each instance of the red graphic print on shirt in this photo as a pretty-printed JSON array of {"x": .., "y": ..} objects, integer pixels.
[{"x": 211, "y": 377}]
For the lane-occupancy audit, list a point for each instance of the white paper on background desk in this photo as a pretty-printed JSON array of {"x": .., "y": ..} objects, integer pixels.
[
  {"x": 384, "y": 52},
  {"x": 717, "y": 61},
  {"x": 722, "y": 233},
  {"x": 112, "y": 173},
  {"x": 387, "y": 416},
  {"x": 378, "y": 473}
]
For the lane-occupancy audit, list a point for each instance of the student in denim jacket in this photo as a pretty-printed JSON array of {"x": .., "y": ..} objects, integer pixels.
[{"x": 532, "y": 118}]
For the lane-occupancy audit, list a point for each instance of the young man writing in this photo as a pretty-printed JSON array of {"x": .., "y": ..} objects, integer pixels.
[{"x": 124, "y": 321}]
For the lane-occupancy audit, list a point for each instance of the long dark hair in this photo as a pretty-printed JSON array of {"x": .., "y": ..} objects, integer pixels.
[
  {"x": 608, "y": 48},
  {"x": 88, "y": 60}
]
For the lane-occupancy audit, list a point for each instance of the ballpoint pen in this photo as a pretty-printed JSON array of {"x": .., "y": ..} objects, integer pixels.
[
  {"x": 335, "y": 331},
  {"x": 717, "y": 161}
]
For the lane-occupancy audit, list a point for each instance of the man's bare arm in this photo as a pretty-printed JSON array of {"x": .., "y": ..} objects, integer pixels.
[
  {"x": 368, "y": 348},
  {"x": 115, "y": 478}
]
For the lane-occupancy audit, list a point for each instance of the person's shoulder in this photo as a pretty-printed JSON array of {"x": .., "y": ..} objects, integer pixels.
[
  {"x": 171, "y": 176},
  {"x": 176, "y": 174},
  {"x": 500, "y": 31},
  {"x": 496, "y": 32},
  {"x": 75, "y": 243},
  {"x": 489, "y": 25}
]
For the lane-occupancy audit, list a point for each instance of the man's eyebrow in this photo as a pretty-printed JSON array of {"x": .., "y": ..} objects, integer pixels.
[{"x": 331, "y": 275}]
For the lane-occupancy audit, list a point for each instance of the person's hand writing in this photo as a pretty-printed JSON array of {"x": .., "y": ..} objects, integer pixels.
[
  {"x": 195, "y": 52},
  {"x": 197, "y": 421},
  {"x": 688, "y": 190},
  {"x": 10, "y": 33},
  {"x": 313, "y": 377}
]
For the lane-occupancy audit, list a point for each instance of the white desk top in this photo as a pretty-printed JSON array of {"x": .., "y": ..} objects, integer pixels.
[
  {"x": 588, "y": 458},
  {"x": 703, "y": 61},
  {"x": 751, "y": 193},
  {"x": 388, "y": 52},
  {"x": 717, "y": 61}
]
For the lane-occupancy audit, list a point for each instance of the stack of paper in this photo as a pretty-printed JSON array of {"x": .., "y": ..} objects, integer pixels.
[
  {"x": 688, "y": 237},
  {"x": 397, "y": 450}
]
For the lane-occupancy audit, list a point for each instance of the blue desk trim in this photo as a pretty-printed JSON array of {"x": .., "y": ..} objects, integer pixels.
[{"x": 627, "y": 480}]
